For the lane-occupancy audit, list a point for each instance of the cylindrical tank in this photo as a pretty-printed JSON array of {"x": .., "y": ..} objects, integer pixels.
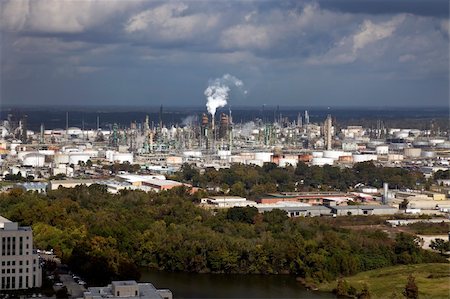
[
  {"x": 75, "y": 158},
  {"x": 413, "y": 152},
  {"x": 364, "y": 158},
  {"x": 21, "y": 155},
  {"x": 92, "y": 153},
  {"x": 123, "y": 157},
  {"x": 287, "y": 161},
  {"x": 382, "y": 149},
  {"x": 428, "y": 154},
  {"x": 345, "y": 159},
  {"x": 305, "y": 158},
  {"x": 421, "y": 143},
  {"x": 333, "y": 154},
  {"x": 445, "y": 145},
  {"x": 61, "y": 159},
  {"x": 47, "y": 152},
  {"x": 374, "y": 143},
  {"x": 74, "y": 131},
  {"x": 263, "y": 156},
  {"x": 436, "y": 141},
  {"x": 34, "y": 160},
  {"x": 195, "y": 154},
  {"x": 223, "y": 153},
  {"x": 317, "y": 154},
  {"x": 322, "y": 161}
]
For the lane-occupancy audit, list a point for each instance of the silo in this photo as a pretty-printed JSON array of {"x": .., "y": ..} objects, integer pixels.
[
  {"x": 123, "y": 157},
  {"x": 322, "y": 161},
  {"x": 34, "y": 160},
  {"x": 382, "y": 149},
  {"x": 428, "y": 154},
  {"x": 75, "y": 158},
  {"x": 413, "y": 152}
]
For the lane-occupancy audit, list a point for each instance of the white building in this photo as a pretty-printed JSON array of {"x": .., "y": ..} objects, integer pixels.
[
  {"x": 19, "y": 267},
  {"x": 127, "y": 289}
]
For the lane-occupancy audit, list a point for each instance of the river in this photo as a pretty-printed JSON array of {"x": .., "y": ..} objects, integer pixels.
[{"x": 190, "y": 285}]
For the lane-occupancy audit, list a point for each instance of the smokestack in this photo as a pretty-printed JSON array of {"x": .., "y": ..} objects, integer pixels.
[{"x": 385, "y": 193}]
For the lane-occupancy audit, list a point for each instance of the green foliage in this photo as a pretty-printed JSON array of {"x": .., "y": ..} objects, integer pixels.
[
  {"x": 106, "y": 236},
  {"x": 440, "y": 245}
]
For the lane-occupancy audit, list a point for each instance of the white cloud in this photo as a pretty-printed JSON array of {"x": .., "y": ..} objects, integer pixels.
[
  {"x": 246, "y": 36},
  {"x": 349, "y": 48},
  {"x": 57, "y": 16},
  {"x": 370, "y": 32},
  {"x": 171, "y": 21}
]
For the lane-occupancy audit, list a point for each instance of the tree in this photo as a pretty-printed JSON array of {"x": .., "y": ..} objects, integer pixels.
[
  {"x": 411, "y": 290},
  {"x": 441, "y": 245}
]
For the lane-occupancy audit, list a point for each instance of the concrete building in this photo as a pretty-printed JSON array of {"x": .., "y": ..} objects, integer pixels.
[
  {"x": 19, "y": 267},
  {"x": 363, "y": 210},
  {"x": 39, "y": 187},
  {"x": 228, "y": 201},
  {"x": 296, "y": 210},
  {"x": 128, "y": 289}
]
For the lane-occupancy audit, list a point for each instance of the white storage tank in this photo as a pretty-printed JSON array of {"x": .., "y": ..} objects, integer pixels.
[
  {"x": 421, "y": 143},
  {"x": 413, "y": 152},
  {"x": 47, "y": 152},
  {"x": 435, "y": 142},
  {"x": 75, "y": 158},
  {"x": 263, "y": 156},
  {"x": 428, "y": 154},
  {"x": 123, "y": 157},
  {"x": 61, "y": 159},
  {"x": 382, "y": 149},
  {"x": 34, "y": 160},
  {"x": 374, "y": 143},
  {"x": 286, "y": 161},
  {"x": 364, "y": 158},
  {"x": 318, "y": 161},
  {"x": 91, "y": 152},
  {"x": 445, "y": 145},
  {"x": 317, "y": 154},
  {"x": 21, "y": 155},
  {"x": 74, "y": 131},
  {"x": 192, "y": 154},
  {"x": 333, "y": 154}
]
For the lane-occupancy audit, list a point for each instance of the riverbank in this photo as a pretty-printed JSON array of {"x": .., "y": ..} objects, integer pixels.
[{"x": 433, "y": 281}]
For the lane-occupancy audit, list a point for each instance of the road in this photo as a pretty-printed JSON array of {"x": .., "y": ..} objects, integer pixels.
[{"x": 73, "y": 288}]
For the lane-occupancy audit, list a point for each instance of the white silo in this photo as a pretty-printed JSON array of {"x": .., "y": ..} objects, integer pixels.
[
  {"x": 34, "y": 160},
  {"x": 382, "y": 149}
]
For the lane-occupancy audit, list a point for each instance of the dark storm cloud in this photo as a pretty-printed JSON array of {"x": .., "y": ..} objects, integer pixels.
[
  {"x": 110, "y": 52},
  {"x": 433, "y": 8}
]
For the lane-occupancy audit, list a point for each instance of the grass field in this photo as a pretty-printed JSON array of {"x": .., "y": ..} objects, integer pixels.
[{"x": 433, "y": 281}]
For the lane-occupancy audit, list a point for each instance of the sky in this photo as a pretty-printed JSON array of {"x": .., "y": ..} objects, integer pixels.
[{"x": 337, "y": 53}]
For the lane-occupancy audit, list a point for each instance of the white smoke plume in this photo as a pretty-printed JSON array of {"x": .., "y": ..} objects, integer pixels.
[
  {"x": 189, "y": 121},
  {"x": 217, "y": 92}
]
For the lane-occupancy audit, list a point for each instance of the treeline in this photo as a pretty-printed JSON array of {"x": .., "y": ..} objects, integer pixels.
[
  {"x": 252, "y": 180},
  {"x": 104, "y": 236}
]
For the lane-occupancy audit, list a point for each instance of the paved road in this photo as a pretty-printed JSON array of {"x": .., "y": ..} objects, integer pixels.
[{"x": 73, "y": 288}]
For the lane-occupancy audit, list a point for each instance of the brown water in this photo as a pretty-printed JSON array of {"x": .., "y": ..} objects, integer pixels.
[{"x": 189, "y": 285}]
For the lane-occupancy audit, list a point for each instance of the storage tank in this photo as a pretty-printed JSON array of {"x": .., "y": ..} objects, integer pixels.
[
  {"x": 75, "y": 158},
  {"x": 21, "y": 155},
  {"x": 92, "y": 153},
  {"x": 34, "y": 160},
  {"x": 445, "y": 145},
  {"x": 428, "y": 154},
  {"x": 287, "y": 161},
  {"x": 223, "y": 153},
  {"x": 317, "y": 154},
  {"x": 382, "y": 149},
  {"x": 421, "y": 143},
  {"x": 413, "y": 152},
  {"x": 237, "y": 159},
  {"x": 61, "y": 159},
  {"x": 436, "y": 141},
  {"x": 47, "y": 152},
  {"x": 305, "y": 158},
  {"x": 193, "y": 154},
  {"x": 333, "y": 154},
  {"x": 74, "y": 131},
  {"x": 395, "y": 157},
  {"x": 322, "y": 161},
  {"x": 374, "y": 143},
  {"x": 364, "y": 158},
  {"x": 263, "y": 156},
  {"x": 346, "y": 159},
  {"x": 123, "y": 157}
]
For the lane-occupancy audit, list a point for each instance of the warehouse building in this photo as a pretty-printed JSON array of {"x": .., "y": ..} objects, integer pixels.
[{"x": 363, "y": 210}]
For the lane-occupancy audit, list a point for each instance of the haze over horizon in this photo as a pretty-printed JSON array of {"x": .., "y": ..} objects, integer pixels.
[{"x": 342, "y": 53}]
